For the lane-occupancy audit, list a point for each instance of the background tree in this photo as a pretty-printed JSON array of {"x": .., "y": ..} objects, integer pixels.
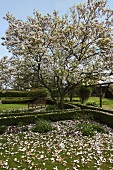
[
  {"x": 111, "y": 88},
  {"x": 23, "y": 77},
  {"x": 5, "y": 73},
  {"x": 66, "y": 50},
  {"x": 84, "y": 93}
]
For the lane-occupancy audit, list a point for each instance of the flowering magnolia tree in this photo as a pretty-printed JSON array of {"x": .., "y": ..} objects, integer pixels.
[
  {"x": 22, "y": 77},
  {"x": 64, "y": 51},
  {"x": 5, "y": 73}
]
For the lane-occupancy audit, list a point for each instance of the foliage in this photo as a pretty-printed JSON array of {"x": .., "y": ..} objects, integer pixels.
[
  {"x": 12, "y": 93},
  {"x": 84, "y": 93},
  {"x": 109, "y": 94},
  {"x": 49, "y": 101},
  {"x": 38, "y": 93},
  {"x": 2, "y": 129},
  {"x": 89, "y": 129},
  {"x": 81, "y": 116},
  {"x": 51, "y": 107},
  {"x": 33, "y": 116},
  {"x": 111, "y": 88},
  {"x": 22, "y": 127},
  {"x": 56, "y": 93},
  {"x": 60, "y": 51},
  {"x": 15, "y": 100},
  {"x": 42, "y": 126},
  {"x": 92, "y": 104}
]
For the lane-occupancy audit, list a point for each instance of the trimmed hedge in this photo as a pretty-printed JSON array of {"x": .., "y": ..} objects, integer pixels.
[
  {"x": 28, "y": 116},
  {"x": 101, "y": 117},
  {"x": 27, "y": 119},
  {"x": 12, "y": 93},
  {"x": 25, "y": 113},
  {"x": 82, "y": 106},
  {"x": 15, "y": 101},
  {"x": 35, "y": 94}
]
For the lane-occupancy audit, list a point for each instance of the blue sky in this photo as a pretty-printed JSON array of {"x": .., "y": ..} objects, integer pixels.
[{"x": 23, "y": 8}]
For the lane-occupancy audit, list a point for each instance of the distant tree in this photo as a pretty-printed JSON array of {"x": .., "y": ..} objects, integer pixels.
[
  {"x": 84, "y": 93},
  {"x": 111, "y": 88}
]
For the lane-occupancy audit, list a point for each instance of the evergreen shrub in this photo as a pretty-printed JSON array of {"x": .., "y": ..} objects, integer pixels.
[
  {"x": 38, "y": 93},
  {"x": 3, "y": 129},
  {"x": 92, "y": 104},
  {"x": 42, "y": 126},
  {"x": 90, "y": 129},
  {"x": 11, "y": 93}
]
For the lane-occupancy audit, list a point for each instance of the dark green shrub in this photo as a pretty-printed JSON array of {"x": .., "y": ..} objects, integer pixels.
[
  {"x": 84, "y": 93},
  {"x": 81, "y": 116},
  {"x": 20, "y": 124},
  {"x": 12, "y": 93},
  {"x": 51, "y": 107},
  {"x": 100, "y": 116},
  {"x": 15, "y": 101},
  {"x": 2, "y": 129},
  {"x": 38, "y": 93},
  {"x": 69, "y": 106},
  {"x": 92, "y": 104},
  {"x": 56, "y": 92},
  {"x": 23, "y": 127},
  {"x": 42, "y": 126},
  {"x": 90, "y": 129},
  {"x": 49, "y": 102}
]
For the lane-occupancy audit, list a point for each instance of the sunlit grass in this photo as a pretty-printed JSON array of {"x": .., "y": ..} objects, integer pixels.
[
  {"x": 106, "y": 103},
  {"x": 12, "y": 106}
]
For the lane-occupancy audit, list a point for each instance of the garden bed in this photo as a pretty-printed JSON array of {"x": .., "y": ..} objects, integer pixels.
[{"x": 62, "y": 148}]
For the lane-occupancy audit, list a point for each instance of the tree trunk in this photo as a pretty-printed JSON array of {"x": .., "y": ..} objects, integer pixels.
[
  {"x": 100, "y": 96},
  {"x": 61, "y": 104},
  {"x": 82, "y": 100},
  {"x": 71, "y": 98}
]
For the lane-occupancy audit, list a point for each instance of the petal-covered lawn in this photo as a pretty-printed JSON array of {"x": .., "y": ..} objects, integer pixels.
[{"x": 64, "y": 148}]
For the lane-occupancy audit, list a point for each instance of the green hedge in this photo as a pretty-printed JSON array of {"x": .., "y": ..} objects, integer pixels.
[
  {"x": 82, "y": 106},
  {"x": 27, "y": 119},
  {"x": 15, "y": 101},
  {"x": 35, "y": 94},
  {"x": 11, "y": 93},
  {"x": 24, "y": 113},
  {"x": 99, "y": 116}
]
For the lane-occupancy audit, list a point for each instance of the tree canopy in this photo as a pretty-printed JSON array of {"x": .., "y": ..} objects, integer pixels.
[{"x": 64, "y": 51}]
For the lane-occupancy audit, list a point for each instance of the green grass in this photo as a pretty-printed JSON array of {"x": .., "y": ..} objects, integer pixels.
[
  {"x": 106, "y": 103},
  {"x": 61, "y": 149},
  {"x": 12, "y": 106}
]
